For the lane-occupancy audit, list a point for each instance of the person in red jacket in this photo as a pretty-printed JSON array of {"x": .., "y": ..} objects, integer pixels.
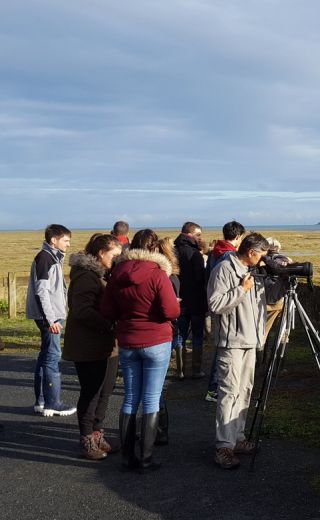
[
  {"x": 140, "y": 298},
  {"x": 121, "y": 230}
]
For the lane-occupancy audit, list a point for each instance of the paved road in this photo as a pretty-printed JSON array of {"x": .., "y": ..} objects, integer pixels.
[{"x": 42, "y": 477}]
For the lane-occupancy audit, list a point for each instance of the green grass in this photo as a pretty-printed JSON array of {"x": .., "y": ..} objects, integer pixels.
[
  {"x": 19, "y": 334},
  {"x": 293, "y": 406}
]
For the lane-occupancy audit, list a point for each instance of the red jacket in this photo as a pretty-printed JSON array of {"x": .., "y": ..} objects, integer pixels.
[
  {"x": 221, "y": 247},
  {"x": 140, "y": 298}
]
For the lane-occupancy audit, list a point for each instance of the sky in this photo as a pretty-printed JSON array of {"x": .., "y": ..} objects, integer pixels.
[{"x": 159, "y": 112}]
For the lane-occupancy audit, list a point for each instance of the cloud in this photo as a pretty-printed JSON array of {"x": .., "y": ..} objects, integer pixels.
[{"x": 189, "y": 103}]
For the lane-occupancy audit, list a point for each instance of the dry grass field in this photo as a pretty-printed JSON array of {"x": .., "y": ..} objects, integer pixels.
[{"x": 18, "y": 248}]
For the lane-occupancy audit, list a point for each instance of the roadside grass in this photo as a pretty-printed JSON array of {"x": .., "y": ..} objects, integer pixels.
[
  {"x": 293, "y": 406},
  {"x": 19, "y": 334}
]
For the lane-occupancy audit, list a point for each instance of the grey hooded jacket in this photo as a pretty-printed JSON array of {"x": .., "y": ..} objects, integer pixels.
[
  {"x": 47, "y": 290},
  {"x": 239, "y": 316}
]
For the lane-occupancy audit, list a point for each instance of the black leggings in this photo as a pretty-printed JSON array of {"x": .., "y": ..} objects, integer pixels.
[{"x": 97, "y": 380}]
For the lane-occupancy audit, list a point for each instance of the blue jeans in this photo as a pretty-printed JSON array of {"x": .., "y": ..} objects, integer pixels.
[
  {"x": 144, "y": 371},
  {"x": 47, "y": 365},
  {"x": 197, "y": 327}
]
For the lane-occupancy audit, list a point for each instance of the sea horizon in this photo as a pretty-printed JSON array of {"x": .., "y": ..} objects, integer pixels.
[{"x": 249, "y": 227}]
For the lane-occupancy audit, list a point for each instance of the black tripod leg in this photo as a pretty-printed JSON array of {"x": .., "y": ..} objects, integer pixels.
[
  {"x": 307, "y": 325},
  {"x": 265, "y": 388},
  {"x": 285, "y": 337}
]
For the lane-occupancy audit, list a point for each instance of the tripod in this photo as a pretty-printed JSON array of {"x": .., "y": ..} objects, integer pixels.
[{"x": 287, "y": 322}]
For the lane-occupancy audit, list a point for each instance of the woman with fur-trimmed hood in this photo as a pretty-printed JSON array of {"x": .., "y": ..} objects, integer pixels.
[
  {"x": 140, "y": 298},
  {"x": 89, "y": 341}
]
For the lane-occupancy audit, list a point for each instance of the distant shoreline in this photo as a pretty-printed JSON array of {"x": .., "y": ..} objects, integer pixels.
[{"x": 252, "y": 227}]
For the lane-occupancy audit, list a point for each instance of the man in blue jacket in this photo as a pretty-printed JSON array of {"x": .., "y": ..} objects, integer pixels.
[{"x": 46, "y": 305}]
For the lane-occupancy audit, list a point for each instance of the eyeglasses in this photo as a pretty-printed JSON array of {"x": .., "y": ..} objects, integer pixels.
[{"x": 260, "y": 251}]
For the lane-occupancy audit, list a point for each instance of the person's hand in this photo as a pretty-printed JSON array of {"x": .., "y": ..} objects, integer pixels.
[
  {"x": 247, "y": 282},
  {"x": 55, "y": 328}
]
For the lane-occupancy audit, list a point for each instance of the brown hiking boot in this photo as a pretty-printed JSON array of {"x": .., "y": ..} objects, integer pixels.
[
  {"x": 245, "y": 447},
  {"x": 89, "y": 448},
  {"x": 225, "y": 458},
  {"x": 108, "y": 446}
]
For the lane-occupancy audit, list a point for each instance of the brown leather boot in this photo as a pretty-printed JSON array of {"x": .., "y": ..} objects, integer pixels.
[
  {"x": 89, "y": 448},
  {"x": 108, "y": 446}
]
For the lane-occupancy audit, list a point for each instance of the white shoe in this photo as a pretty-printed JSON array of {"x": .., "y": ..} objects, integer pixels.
[
  {"x": 212, "y": 396},
  {"x": 61, "y": 410},
  {"x": 38, "y": 408}
]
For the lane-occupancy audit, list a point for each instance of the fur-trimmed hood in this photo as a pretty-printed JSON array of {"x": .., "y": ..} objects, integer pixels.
[
  {"x": 83, "y": 261},
  {"x": 134, "y": 266}
]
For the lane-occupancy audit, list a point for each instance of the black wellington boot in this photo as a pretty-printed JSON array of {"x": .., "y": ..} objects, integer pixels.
[
  {"x": 127, "y": 427},
  {"x": 197, "y": 373},
  {"x": 149, "y": 430},
  {"x": 180, "y": 363},
  {"x": 162, "y": 437}
]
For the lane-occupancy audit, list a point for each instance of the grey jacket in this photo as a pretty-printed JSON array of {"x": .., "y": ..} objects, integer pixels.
[
  {"x": 47, "y": 290},
  {"x": 239, "y": 316}
]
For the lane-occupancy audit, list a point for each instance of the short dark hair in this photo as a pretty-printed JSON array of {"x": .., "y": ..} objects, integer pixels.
[
  {"x": 120, "y": 228},
  {"x": 56, "y": 231},
  {"x": 253, "y": 241},
  {"x": 189, "y": 227},
  {"x": 232, "y": 229},
  {"x": 100, "y": 242},
  {"x": 145, "y": 239}
]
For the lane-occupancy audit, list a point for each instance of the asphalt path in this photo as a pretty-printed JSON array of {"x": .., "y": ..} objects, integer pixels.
[{"x": 43, "y": 477}]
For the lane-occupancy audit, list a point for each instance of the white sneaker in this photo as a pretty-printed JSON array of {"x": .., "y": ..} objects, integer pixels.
[
  {"x": 38, "y": 408},
  {"x": 61, "y": 410},
  {"x": 211, "y": 396}
]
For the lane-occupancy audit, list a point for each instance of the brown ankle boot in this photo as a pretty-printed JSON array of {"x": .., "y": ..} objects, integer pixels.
[
  {"x": 90, "y": 449},
  {"x": 111, "y": 445}
]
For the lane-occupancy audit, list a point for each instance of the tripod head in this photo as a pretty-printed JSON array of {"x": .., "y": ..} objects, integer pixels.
[{"x": 293, "y": 282}]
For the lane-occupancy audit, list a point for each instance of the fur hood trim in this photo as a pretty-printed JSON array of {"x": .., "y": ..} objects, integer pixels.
[
  {"x": 146, "y": 256},
  {"x": 88, "y": 262}
]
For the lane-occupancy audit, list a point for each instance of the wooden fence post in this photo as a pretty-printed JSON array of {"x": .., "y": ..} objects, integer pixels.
[{"x": 12, "y": 295}]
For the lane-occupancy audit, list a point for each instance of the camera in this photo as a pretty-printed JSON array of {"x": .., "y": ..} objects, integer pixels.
[
  {"x": 289, "y": 272},
  {"x": 296, "y": 269}
]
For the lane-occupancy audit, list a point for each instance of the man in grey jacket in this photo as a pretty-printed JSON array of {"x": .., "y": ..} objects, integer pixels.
[
  {"x": 238, "y": 303},
  {"x": 46, "y": 304}
]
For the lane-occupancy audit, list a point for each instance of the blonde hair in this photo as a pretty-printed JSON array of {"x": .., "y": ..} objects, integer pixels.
[
  {"x": 274, "y": 244},
  {"x": 166, "y": 248},
  {"x": 203, "y": 247}
]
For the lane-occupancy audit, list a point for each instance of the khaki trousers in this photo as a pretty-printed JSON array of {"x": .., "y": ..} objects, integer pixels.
[
  {"x": 235, "y": 381},
  {"x": 273, "y": 311}
]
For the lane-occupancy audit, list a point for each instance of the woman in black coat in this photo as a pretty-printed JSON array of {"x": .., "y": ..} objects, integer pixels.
[{"x": 89, "y": 341}]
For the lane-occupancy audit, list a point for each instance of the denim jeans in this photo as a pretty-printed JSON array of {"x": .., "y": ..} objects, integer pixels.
[
  {"x": 48, "y": 359},
  {"x": 144, "y": 371},
  {"x": 197, "y": 327}
]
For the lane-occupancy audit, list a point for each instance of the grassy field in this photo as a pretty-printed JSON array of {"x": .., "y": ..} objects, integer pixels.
[{"x": 17, "y": 249}]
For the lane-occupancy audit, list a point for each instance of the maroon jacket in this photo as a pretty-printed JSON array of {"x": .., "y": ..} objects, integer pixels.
[
  {"x": 140, "y": 298},
  {"x": 221, "y": 247}
]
